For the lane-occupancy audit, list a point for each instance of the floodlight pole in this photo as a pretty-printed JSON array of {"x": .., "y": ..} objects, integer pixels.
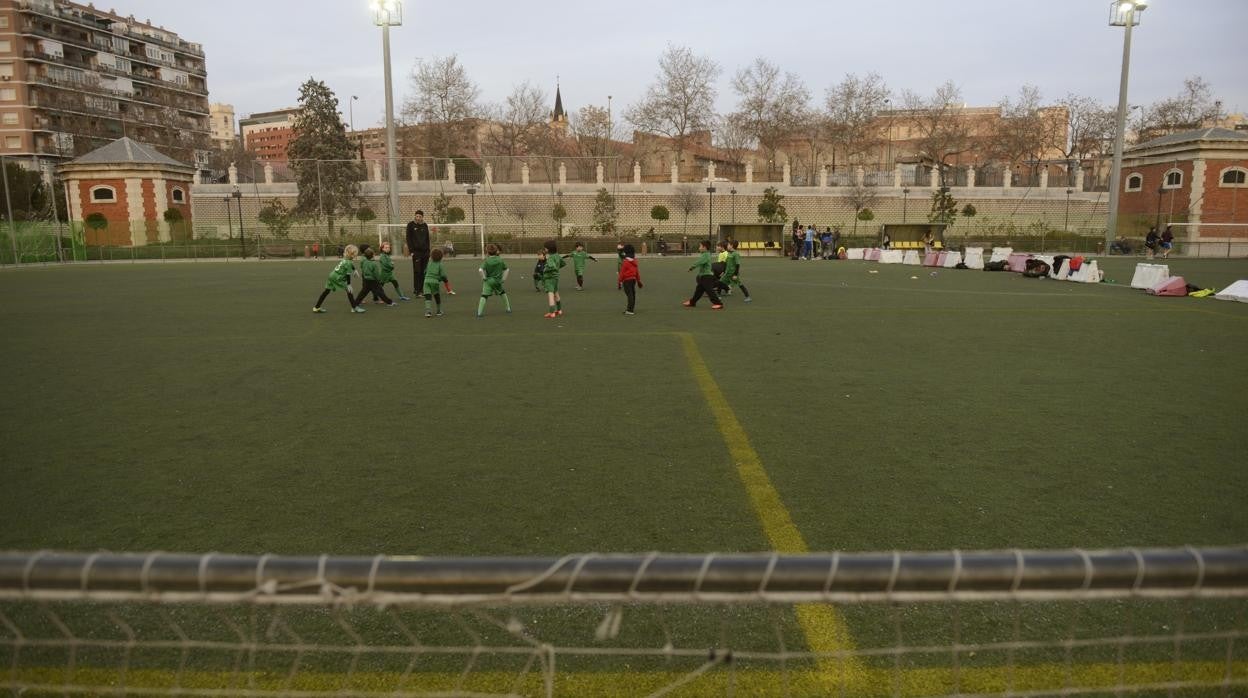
[
  {"x": 472, "y": 197},
  {"x": 710, "y": 213},
  {"x": 388, "y": 13},
  {"x": 1122, "y": 12}
]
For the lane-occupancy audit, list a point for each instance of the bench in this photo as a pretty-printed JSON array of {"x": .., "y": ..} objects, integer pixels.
[
  {"x": 277, "y": 251},
  {"x": 671, "y": 248}
]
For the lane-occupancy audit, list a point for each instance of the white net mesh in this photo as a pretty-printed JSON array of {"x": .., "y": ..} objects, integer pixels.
[{"x": 1163, "y": 622}]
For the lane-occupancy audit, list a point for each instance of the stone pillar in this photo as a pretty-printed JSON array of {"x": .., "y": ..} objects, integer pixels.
[
  {"x": 1044, "y": 178},
  {"x": 268, "y": 173},
  {"x": 637, "y": 173},
  {"x": 860, "y": 175},
  {"x": 896, "y": 177},
  {"x": 489, "y": 173},
  {"x": 233, "y": 174},
  {"x": 598, "y": 173},
  {"x": 749, "y": 173},
  {"x": 823, "y": 177},
  {"x": 450, "y": 171},
  {"x": 1007, "y": 178},
  {"x": 710, "y": 173},
  {"x": 675, "y": 174},
  {"x": 786, "y": 175},
  {"x": 563, "y": 173},
  {"x": 970, "y": 176},
  {"x": 1079, "y": 179},
  {"x": 524, "y": 173},
  {"x": 195, "y": 178},
  {"x": 415, "y": 172},
  {"x": 376, "y": 170},
  {"x": 933, "y": 178}
]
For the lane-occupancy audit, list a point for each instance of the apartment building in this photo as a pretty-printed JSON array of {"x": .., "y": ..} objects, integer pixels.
[
  {"x": 268, "y": 134},
  {"x": 74, "y": 78},
  {"x": 222, "y": 119}
]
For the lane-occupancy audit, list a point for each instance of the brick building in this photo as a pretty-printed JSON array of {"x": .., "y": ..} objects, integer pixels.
[
  {"x": 268, "y": 134},
  {"x": 131, "y": 185},
  {"x": 1192, "y": 177},
  {"x": 76, "y": 78}
]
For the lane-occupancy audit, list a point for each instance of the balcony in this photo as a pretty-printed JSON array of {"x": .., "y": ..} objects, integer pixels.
[{"x": 91, "y": 23}]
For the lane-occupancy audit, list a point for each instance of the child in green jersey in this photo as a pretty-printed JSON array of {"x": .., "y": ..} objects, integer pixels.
[
  {"x": 706, "y": 280},
  {"x": 550, "y": 279},
  {"x": 387, "y": 271},
  {"x": 494, "y": 272},
  {"x": 539, "y": 271},
  {"x": 434, "y": 275},
  {"x": 370, "y": 270},
  {"x": 732, "y": 270},
  {"x": 340, "y": 278},
  {"x": 579, "y": 255}
]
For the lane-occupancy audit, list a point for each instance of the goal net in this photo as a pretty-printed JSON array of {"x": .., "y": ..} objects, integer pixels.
[
  {"x": 1209, "y": 239},
  {"x": 1014, "y": 623},
  {"x": 452, "y": 238}
]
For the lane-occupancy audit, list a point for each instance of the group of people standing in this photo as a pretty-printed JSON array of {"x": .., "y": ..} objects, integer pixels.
[
  {"x": 1155, "y": 244},
  {"x": 809, "y": 243}
]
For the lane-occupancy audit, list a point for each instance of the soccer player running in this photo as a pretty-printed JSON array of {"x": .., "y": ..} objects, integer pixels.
[
  {"x": 706, "y": 280},
  {"x": 493, "y": 273},
  {"x": 732, "y": 270},
  {"x": 434, "y": 275},
  {"x": 418, "y": 248},
  {"x": 339, "y": 279},
  {"x": 370, "y": 271},
  {"x": 579, "y": 255},
  {"x": 550, "y": 280}
]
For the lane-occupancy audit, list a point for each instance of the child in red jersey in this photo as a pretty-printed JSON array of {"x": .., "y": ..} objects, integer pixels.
[{"x": 630, "y": 276}]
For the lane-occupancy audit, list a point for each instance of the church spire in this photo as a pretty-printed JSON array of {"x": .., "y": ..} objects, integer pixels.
[{"x": 558, "y": 117}]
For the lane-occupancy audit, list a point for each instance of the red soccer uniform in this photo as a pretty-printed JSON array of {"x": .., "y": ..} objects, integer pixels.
[{"x": 629, "y": 270}]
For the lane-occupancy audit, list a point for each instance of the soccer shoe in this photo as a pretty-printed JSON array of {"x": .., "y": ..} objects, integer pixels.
[
  {"x": 358, "y": 309},
  {"x": 439, "y": 313},
  {"x": 480, "y": 315},
  {"x": 377, "y": 301},
  {"x": 717, "y": 307},
  {"x": 428, "y": 314},
  {"x": 747, "y": 299},
  {"x": 579, "y": 288},
  {"x": 550, "y": 315},
  {"x": 404, "y": 298},
  {"x": 318, "y": 310},
  {"x": 629, "y": 312},
  {"x": 391, "y": 304},
  {"x": 451, "y": 292},
  {"x": 687, "y": 304}
]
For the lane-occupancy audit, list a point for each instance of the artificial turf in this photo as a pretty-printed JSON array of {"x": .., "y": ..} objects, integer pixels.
[{"x": 202, "y": 406}]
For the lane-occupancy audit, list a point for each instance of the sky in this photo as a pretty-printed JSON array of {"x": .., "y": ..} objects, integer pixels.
[{"x": 260, "y": 51}]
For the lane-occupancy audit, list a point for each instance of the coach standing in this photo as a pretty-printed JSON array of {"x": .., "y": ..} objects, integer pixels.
[{"x": 418, "y": 248}]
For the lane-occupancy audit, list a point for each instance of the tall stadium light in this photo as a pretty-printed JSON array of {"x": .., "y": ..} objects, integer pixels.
[
  {"x": 386, "y": 14},
  {"x": 1126, "y": 14},
  {"x": 710, "y": 213}
]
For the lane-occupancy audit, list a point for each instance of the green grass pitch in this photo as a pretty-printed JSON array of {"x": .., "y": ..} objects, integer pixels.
[{"x": 202, "y": 406}]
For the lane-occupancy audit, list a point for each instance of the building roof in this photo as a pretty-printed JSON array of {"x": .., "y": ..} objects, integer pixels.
[
  {"x": 126, "y": 151},
  {"x": 1203, "y": 134},
  {"x": 559, "y": 114}
]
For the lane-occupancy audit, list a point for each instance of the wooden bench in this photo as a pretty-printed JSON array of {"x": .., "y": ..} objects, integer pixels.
[{"x": 277, "y": 251}]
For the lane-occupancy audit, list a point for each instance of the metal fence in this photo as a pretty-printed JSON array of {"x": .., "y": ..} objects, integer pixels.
[{"x": 1013, "y": 623}]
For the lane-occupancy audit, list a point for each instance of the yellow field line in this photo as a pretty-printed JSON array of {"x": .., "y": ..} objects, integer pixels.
[
  {"x": 1048, "y": 678},
  {"x": 825, "y": 630}
]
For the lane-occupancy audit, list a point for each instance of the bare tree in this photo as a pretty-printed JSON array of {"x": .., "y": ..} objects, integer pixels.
[
  {"x": 680, "y": 101},
  {"x": 520, "y": 208},
  {"x": 688, "y": 200},
  {"x": 853, "y": 108},
  {"x": 1194, "y": 107},
  {"x": 517, "y": 125},
  {"x": 591, "y": 138},
  {"x": 1026, "y": 130},
  {"x": 771, "y": 105},
  {"x": 942, "y": 130},
  {"x": 860, "y": 196},
  {"x": 444, "y": 104},
  {"x": 732, "y": 137},
  {"x": 810, "y": 133},
  {"x": 1089, "y": 127}
]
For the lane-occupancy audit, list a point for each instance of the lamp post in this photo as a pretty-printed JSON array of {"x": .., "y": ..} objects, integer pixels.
[
  {"x": 1066, "y": 227},
  {"x": 710, "y": 214},
  {"x": 386, "y": 14},
  {"x": 358, "y": 147},
  {"x": 1122, "y": 13},
  {"x": 237, "y": 195},
  {"x": 472, "y": 197},
  {"x": 1161, "y": 190},
  {"x": 733, "y": 191},
  {"x": 229, "y": 219},
  {"x": 905, "y": 198}
]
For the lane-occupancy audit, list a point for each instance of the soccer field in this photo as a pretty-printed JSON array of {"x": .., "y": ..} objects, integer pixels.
[{"x": 202, "y": 406}]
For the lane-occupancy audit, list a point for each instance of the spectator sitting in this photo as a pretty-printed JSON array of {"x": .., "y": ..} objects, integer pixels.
[{"x": 1120, "y": 246}]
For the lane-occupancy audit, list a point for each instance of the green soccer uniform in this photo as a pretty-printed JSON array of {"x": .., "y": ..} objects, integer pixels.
[
  {"x": 492, "y": 284},
  {"x": 732, "y": 265},
  {"x": 387, "y": 268},
  {"x": 434, "y": 275},
  {"x": 340, "y": 276},
  {"x": 578, "y": 261},
  {"x": 370, "y": 270},
  {"x": 550, "y": 277},
  {"x": 702, "y": 267}
]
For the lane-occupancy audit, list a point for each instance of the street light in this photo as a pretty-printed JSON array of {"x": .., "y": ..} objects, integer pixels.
[
  {"x": 472, "y": 197},
  {"x": 733, "y": 191},
  {"x": 229, "y": 219},
  {"x": 386, "y": 14},
  {"x": 1122, "y": 13},
  {"x": 710, "y": 213},
  {"x": 905, "y": 198},
  {"x": 1066, "y": 227},
  {"x": 237, "y": 195}
]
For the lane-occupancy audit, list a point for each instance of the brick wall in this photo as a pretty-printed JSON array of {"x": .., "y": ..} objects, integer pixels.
[
  {"x": 117, "y": 212},
  {"x": 1224, "y": 203}
]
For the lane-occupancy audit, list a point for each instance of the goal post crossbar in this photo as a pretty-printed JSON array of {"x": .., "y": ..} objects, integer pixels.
[{"x": 653, "y": 578}]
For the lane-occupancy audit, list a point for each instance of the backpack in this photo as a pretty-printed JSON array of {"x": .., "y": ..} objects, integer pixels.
[{"x": 997, "y": 266}]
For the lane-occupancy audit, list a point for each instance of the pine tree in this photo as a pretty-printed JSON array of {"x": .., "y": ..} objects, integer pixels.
[
  {"x": 605, "y": 214},
  {"x": 322, "y": 157}
]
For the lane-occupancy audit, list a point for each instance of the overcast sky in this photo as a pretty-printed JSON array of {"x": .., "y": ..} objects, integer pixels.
[{"x": 259, "y": 51}]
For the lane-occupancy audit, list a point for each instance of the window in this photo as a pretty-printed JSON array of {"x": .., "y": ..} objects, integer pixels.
[
  {"x": 10, "y": 118},
  {"x": 4, "y": 22},
  {"x": 1135, "y": 182},
  {"x": 1174, "y": 180},
  {"x": 1234, "y": 177},
  {"x": 6, "y": 71},
  {"x": 6, "y": 46},
  {"x": 103, "y": 193},
  {"x": 178, "y": 196},
  {"x": 13, "y": 142},
  {"x": 8, "y": 94}
]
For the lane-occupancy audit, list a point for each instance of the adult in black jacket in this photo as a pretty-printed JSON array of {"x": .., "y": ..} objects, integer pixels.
[{"x": 418, "y": 248}]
